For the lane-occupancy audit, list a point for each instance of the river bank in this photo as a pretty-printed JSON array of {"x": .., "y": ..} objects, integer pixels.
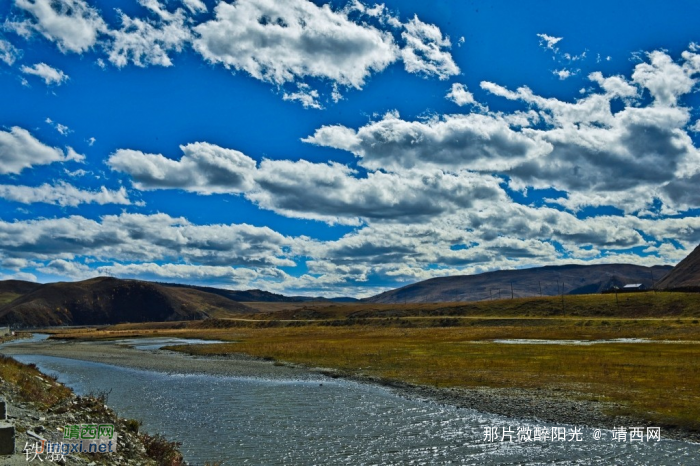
[
  {"x": 40, "y": 408},
  {"x": 549, "y": 405}
]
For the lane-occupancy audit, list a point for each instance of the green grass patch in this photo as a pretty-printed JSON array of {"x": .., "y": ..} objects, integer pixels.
[{"x": 8, "y": 297}]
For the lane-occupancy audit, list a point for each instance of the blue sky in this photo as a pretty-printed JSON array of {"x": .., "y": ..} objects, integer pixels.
[{"x": 345, "y": 148}]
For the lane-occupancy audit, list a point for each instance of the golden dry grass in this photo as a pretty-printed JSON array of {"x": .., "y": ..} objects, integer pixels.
[
  {"x": 633, "y": 305},
  {"x": 656, "y": 381},
  {"x": 32, "y": 385}
]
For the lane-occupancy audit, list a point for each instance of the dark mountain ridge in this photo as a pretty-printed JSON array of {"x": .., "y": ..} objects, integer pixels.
[
  {"x": 17, "y": 287},
  {"x": 237, "y": 295},
  {"x": 250, "y": 296},
  {"x": 106, "y": 300},
  {"x": 545, "y": 281},
  {"x": 685, "y": 276}
]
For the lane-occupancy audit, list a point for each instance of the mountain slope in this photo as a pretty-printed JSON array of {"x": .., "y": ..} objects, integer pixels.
[
  {"x": 13, "y": 289},
  {"x": 259, "y": 296},
  {"x": 106, "y": 300},
  {"x": 236, "y": 295},
  {"x": 685, "y": 276},
  {"x": 548, "y": 281}
]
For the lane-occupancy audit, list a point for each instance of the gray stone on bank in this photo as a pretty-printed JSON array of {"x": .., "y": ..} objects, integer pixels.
[{"x": 7, "y": 438}]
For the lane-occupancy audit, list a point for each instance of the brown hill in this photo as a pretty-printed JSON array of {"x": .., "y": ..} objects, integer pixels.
[
  {"x": 238, "y": 295},
  {"x": 685, "y": 276},
  {"x": 107, "y": 300},
  {"x": 259, "y": 296},
  {"x": 17, "y": 286},
  {"x": 13, "y": 289},
  {"x": 545, "y": 281}
]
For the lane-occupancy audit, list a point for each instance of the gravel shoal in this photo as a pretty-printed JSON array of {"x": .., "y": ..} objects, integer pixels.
[{"x": 109, "y": 352}]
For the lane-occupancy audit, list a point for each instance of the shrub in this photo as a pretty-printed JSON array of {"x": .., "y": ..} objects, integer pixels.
[
  {"x": 132, "y": 425},
  {"x": 165, "y": 453}
]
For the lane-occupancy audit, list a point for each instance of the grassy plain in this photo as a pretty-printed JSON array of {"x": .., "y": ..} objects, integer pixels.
[{"x": 452, "y": 345}]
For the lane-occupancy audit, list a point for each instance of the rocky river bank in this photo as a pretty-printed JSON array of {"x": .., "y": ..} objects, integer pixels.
[{"x": 40, "y": 409}]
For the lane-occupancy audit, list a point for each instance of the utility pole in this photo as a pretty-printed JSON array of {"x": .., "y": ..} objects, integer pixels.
[
  {"x": 511, "y": 290},
  {"x": 490, "y": 294},
  {"x": 540, "y": 288}
]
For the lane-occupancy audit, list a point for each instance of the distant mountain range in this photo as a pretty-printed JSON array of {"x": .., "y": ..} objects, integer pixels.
[
  {"x": 107, "y": 300},
  {"x": 544, "y": 281},
  {"x": 237, "y": 295},
  {"x": 249, "y": 296}
]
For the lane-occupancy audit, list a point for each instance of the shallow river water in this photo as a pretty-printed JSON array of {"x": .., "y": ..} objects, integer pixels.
[{"x": 315, "y": 420}]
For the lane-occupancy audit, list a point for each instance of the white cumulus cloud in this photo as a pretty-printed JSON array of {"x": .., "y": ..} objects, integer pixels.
[
  {"x": 664, "y": 79},
  {"x": 8, "y": 52},
  {"x": 307, "y": 96},
  {"x": 548, "y": 41},
  {"x": 471, "y": 141},
  {"x": 73, "y": 24},
  {"x": 195, "y": 6},
  {"x": 49, "y": 74},
  {"x": 460, "y": 95},
  {"x": 20, "y": 150},
  {"x": 204, "y": 168},
  {"x": 283, "y": 42},
  {"x": 597, "y": 156},
  {"x": 426, "y": 50},
  {"x": 69, "y": 269},
  {"x": 148, "y": 41},
  {"x": 62, "y": 194}
]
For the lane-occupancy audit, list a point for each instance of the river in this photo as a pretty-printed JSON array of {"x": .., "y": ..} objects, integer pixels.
[{"x": 315, "y": 420}]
